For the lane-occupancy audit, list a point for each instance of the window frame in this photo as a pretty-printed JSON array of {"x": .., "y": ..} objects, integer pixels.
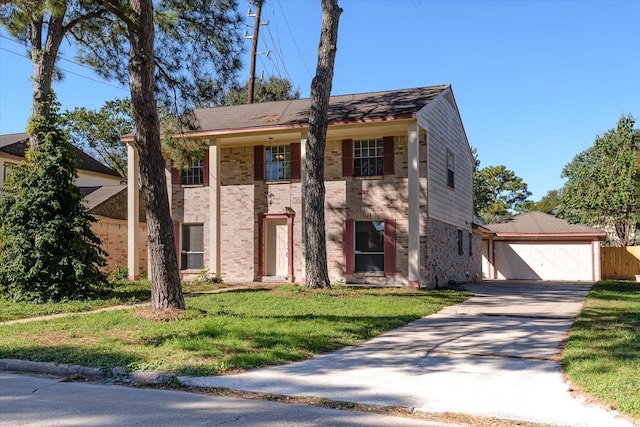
[
  {"x": 186, "y": 252},
  {"x": 451, "y": 170},
  {"x": 377, "y": 159},
  {"x": 284, "y": 163},
  {"x": 360, "y": 253},
  {"x": 460, "y": 244},
  {"x": 194, "y": 175}
]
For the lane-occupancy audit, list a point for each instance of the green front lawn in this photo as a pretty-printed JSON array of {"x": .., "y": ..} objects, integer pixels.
[
  {"x": 224, "y": 332},
  {"x": 115, "y": 293},
  {"x": 602, "y": 355}
]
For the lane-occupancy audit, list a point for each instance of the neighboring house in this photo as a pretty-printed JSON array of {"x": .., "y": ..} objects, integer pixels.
[
  {"x": 398, "y": 178},
  {"x": 91, "y": 172},
  {"x": 539, "y": 246},
  {"x": 108, "y": 204},
  {"x": 105, "y": 195}
]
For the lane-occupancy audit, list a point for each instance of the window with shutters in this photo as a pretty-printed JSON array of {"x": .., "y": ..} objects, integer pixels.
[
  {"x": 194, "y": 174},
  {"x": 192, "y": 247},
  {"x": 277, "y": 163},
  {"x": 369, "y": 246},
  {"x": 368, "y": 156}
]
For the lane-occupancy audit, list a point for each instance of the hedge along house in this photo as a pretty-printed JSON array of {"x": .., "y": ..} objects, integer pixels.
[{"x": 398, "y": 179}]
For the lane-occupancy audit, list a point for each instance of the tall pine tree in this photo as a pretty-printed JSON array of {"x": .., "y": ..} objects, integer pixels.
[{"x": 48, "y": 251}]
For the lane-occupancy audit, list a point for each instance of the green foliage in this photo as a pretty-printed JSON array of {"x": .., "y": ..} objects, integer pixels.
[
  {"x": 600, "y": 190},
  {"x": 113, "y": 293},
  {"x": 98, "y": 132},
  {"x": 602, "y": 354},
  {"x": 208, "y": 277},
  {"x": 481, "y": 194},
  {"x": 48, "y": 251},
  {"x": 546, "y": 204},
  {"x": 274, "y": 89},
  {"x": 197, "y": 43},
  {"x": 498, "y": 193}
]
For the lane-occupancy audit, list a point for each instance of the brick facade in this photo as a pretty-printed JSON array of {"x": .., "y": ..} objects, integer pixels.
[
  {"x": 113, "y": 235},
  {"x": 244, "y": 200}
]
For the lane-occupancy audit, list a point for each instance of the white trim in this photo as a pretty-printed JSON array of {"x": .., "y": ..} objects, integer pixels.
[
  {"x": 133, "y": 212},
  {"x": 214, "y": 207},
  {"x": 413, "y": 154}
]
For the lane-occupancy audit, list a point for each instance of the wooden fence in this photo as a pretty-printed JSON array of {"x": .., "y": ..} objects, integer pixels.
[{"x": 620, "y": 263}]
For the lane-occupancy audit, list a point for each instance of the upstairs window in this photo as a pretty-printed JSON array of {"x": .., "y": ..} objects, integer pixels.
[
  {"x": 368, "y": 156},
  {"x": 277, "y": 163},
  {"x": 194, "y": 174},
  {"x": 450, "y": 170}
]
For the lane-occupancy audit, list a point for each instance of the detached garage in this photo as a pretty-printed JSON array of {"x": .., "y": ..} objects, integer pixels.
[{"x": 538, "y": 246}]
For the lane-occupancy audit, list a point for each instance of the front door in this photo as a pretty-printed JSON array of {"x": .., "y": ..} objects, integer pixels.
[{"x": 277, "y": 248}]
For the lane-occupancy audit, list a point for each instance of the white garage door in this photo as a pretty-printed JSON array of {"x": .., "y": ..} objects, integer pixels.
[{"x": 545, "y": 261}]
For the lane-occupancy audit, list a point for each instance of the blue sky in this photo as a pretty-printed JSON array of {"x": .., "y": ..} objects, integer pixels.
[{"x": 535, "y": 81}]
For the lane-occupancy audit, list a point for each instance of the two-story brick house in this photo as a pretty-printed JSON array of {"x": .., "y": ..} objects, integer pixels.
[{"x": 399, "y": 192}]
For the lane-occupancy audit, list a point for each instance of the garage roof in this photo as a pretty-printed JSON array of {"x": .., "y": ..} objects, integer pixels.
[{"x": 540, "y": 224}]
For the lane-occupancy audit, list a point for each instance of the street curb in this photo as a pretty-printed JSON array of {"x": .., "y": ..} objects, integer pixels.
[
  {"x": 71, "y": 372},
  {"x": 49, "y": 368}
]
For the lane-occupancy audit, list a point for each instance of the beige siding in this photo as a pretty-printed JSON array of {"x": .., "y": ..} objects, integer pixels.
[{"x": 446, "y": 133}]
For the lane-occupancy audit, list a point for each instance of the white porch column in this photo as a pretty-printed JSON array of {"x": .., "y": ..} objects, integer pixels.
[
  {"x": 214, "y": 207},
  {"x": 303, "y": 172},
  {"x": 414, "y": 205},
  {"x": 133, "y": 214}
]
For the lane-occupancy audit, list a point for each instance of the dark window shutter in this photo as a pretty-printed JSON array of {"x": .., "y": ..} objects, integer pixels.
[
  {"x": 175, "y": 176},
  {"x": 387, "y": 161},
  {"x": 347, "y": 246},
  {"x": 258, "y": 162},
  {"x": 390, "y": 247},
  {"x": 295, "y": 160},
  {"x": 347, "y": 157},
  {"x": 205, "y": 167},
  {"x": 176, "y": 239}
]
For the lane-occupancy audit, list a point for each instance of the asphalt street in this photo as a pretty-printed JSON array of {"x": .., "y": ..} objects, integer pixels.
[{"x": 39, "y": 401}]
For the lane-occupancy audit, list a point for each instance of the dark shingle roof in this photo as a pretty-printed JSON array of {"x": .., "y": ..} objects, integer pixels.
[
  {"x": 540, "y": 223},
  {"x": 14, "y": 144},
  {"x": 295, "y": 113}
]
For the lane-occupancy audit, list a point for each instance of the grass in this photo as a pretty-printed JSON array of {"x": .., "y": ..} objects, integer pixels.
[
  {"x": 115, "y": 293},
  {"x": 226, "y": 332},
  {"x": 602, "y": 355}
]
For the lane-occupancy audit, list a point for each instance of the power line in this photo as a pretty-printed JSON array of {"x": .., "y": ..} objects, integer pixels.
[
  {"x": 68, "y": 71},
  {"x": 59, "y": 57},
  {"x": 294, "y": 40}
]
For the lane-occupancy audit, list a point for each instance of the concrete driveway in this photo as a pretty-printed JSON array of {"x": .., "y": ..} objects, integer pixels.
[{"x": 495, "y": 355}]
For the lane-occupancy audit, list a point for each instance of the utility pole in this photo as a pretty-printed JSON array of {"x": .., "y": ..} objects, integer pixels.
[{"x": 254, "y": 48}]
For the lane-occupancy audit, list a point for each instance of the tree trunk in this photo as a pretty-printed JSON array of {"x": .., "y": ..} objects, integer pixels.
[
  {"x": 313, "y": 190},
  {"x": 166, "y": 291},
  {"x": 44, "y": 60}
]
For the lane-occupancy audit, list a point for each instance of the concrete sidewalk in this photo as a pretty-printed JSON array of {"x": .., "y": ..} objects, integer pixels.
[{"x": 494, "y": 355}]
